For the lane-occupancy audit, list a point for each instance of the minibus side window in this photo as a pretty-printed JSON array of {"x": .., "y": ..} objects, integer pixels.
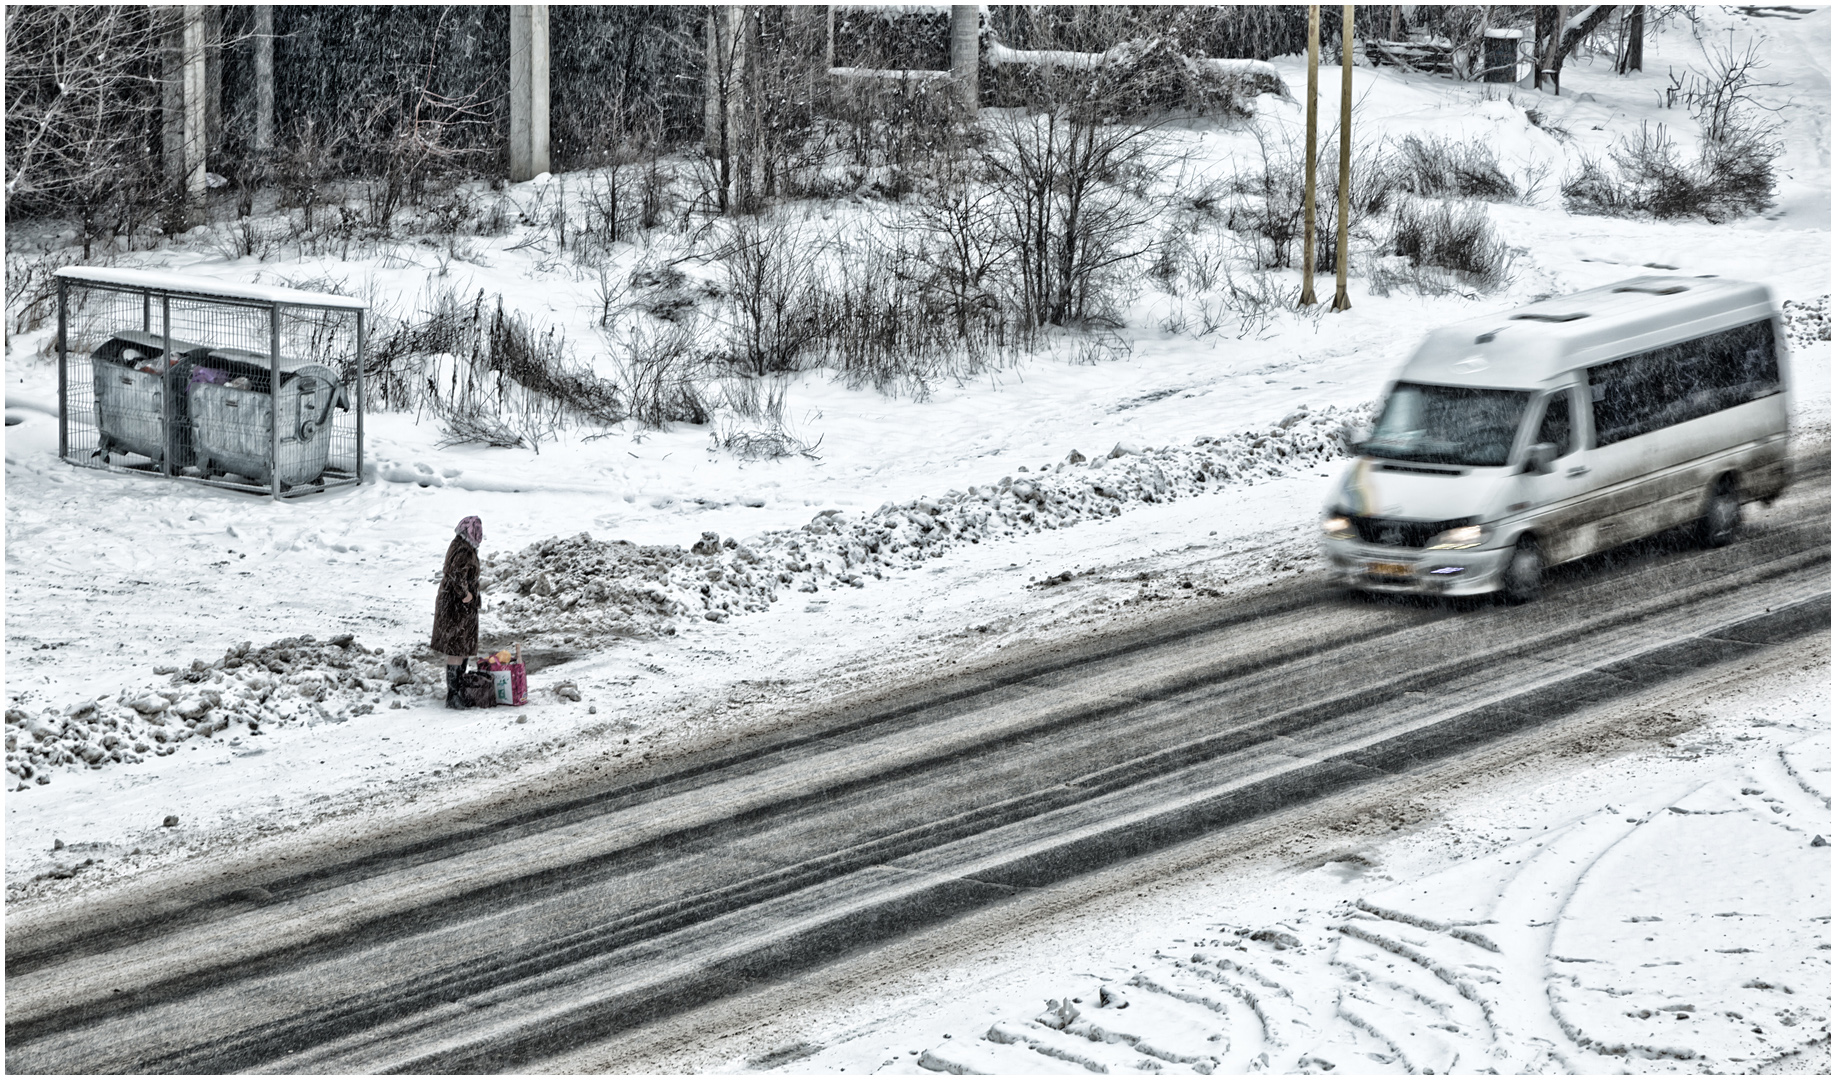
[
  {"x": 1651, "y": 390},
  {"x": 1555, "y": 427}
]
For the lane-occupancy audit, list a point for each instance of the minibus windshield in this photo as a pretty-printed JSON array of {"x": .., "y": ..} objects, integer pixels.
[{"x": 1447, "y": 425}]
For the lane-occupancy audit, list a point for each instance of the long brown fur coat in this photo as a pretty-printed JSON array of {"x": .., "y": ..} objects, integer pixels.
[{"x": 455, "y": 628}]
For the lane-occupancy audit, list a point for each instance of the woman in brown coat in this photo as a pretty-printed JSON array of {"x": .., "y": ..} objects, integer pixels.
[{"x": 455, "y": 629}]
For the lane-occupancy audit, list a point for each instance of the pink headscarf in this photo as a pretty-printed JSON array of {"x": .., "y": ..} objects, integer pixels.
[{"x": 472, "y": 529}]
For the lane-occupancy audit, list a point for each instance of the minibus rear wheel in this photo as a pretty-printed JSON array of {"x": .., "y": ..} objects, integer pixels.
[
  {"x": 1523, "y": 574},
  {"x": 1720, "y": 514}
]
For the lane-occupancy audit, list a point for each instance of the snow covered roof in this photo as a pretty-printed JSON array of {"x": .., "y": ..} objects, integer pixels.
[
  {"x": 188, "y": 285},
  {"x": 1527, "y": 347}
]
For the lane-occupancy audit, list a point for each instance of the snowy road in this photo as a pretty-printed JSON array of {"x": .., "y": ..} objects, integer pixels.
[{"x": 505, "y": 940}]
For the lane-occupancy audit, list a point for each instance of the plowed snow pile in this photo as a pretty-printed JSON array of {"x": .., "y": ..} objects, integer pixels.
[
  {"x": 296, "y": 680},
  {"x": 581, "y": 588}
]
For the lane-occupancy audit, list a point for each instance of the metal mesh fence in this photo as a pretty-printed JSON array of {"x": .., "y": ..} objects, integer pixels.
[{"x": 187, "y": 386}]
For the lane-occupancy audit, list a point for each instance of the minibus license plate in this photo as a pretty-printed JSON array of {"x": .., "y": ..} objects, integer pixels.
[{"x": 1389, "y": 569}]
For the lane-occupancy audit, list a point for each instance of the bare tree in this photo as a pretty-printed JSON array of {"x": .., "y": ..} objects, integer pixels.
[
  {"x": 1558, "y": 34},
  {"x": 83, "y": 110},
  {"x": 1067, "y": 184}
]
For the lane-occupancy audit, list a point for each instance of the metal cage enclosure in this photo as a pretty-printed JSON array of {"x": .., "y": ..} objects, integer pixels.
[{"x": 246, "y": 387}]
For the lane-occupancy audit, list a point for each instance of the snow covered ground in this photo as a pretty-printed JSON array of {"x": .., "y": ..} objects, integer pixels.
[
  {"x": 1666, "y": 910},
  {"x": 969, "y": 495}
]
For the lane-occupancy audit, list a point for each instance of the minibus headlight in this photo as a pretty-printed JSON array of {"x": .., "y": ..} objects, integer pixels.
[
  {"x": 1466, "y": 536},
  {"x": 1339, "y": 527}
]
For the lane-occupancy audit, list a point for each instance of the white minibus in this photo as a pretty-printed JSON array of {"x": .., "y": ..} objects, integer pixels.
[{"x": 1514, "y": 442}]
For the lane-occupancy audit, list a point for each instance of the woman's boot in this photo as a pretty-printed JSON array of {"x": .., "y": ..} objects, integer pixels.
[{"x": 453, "y": 674}]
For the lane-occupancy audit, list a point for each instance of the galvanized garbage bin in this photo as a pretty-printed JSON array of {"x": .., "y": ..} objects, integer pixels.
[
  {"x": 232, "y": 416},
  {"x": 138, "y": 389},
  {"x": 181, "y": 380}
]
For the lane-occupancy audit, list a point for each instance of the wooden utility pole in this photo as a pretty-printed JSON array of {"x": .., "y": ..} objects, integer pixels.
[
  {"x": 1308, "y": 248},
  {"x": 1341, "y": 300}
]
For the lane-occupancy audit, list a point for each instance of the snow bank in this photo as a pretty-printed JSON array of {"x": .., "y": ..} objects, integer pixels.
[
  {"x": 296, "y": 680},
  {"x": 1807, "y": 321},
  {"x": 580, "y": 588}
]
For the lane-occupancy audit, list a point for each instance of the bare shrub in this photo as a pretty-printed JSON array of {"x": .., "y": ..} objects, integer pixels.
[
  {"x": 1728, "y": 179},
  {"x": 83, "y": 116},
  {"x": 470, "y": 424},
  {"x": 1452, "y": 236},
  {"x": 1270, "y": 201},
  {"x": 957, "y": 244},
  {"x": 665, "y": 369},
  {"x": 485, "y": 371},
  {"x": 773, "y": 295},
  {"x": 885, "y": 126},
  {"x": 1722, "y": 98},
  {"x": 1732, "y": 174},
  {"x": 759, "y": 400},
  {"x": 31, "y": 287},
  {"x": 894, "y": 312},
  {"x": 308, "y": 164},
  {"x": 1070, "y": 187},
  {"x": 1444, "y": 167}
]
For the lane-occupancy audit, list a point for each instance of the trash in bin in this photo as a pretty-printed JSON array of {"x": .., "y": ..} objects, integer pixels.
[
  {"x": 136, "y": 387},
  {"x": 232, "y": 416}
]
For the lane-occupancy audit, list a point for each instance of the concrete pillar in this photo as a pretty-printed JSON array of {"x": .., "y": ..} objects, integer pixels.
[
  {"x": 183, "y": 115},
  {"x": 264, "y": 81},
  {"x": 213, "y": 80},
  {"x": 528, "y": 91},
  {"x": 966, "y": 53},
  {"x": 197, "y": 110},
  {"x": 171, "y": 22}
]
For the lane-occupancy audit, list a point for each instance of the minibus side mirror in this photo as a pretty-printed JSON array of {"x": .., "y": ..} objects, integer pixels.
[{"x": 1540, "y": 459}]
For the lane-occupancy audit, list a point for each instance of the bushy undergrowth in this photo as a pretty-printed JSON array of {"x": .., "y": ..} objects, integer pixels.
[
  {"x": 1446, "y": 167},
  {"x": 489, "y": 374},
  {"x": 1271, "y": 200},
  {"x": 1645, "y": 175},
  {"x": 1451, "y": 236},
  {"x": 1038, "y": 228}
]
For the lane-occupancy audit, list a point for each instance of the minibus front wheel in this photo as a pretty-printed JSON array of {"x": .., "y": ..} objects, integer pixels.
[
  {"x": 1720, "y": 514},
  {"x": 1523, "y": 573}
]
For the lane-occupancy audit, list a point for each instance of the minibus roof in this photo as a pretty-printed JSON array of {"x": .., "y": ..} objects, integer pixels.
[{"x": 1525, "y": 348}]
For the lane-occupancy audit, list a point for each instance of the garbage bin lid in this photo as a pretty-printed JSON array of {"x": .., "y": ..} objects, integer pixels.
[
  {"x": 151, "y": 345},
  {"x": 245, "y": 362}
]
